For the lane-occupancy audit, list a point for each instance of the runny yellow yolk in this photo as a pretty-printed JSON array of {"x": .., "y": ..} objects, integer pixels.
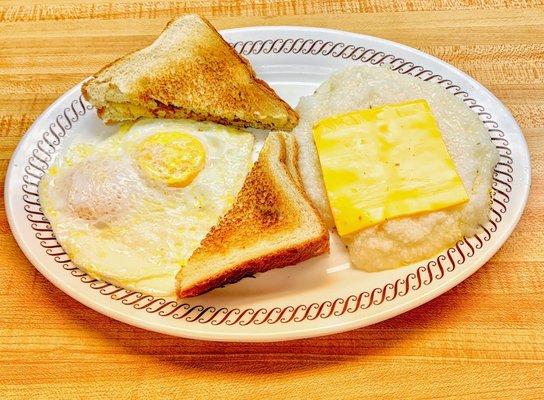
[
  {"x": 173, "y": 158},
  {"x": 384, "y": 163}
]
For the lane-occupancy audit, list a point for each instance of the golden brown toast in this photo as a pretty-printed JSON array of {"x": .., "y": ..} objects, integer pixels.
[
  {"x": 189, "y": 71},
  {"x": 272, "y": 224}
]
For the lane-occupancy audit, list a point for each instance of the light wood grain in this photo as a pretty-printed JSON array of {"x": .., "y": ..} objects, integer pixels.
[{"x": 483, "y": 339}]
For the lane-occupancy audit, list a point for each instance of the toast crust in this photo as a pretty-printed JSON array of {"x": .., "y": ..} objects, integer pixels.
[
  {"x": 279, "y": 259},
  {"x": 195, "y": 74},
  {"x": 291, "y": 158},
  {"x": 261, "y": 210}
]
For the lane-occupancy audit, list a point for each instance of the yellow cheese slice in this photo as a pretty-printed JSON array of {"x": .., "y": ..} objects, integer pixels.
[{"x": 383, "y": 163}]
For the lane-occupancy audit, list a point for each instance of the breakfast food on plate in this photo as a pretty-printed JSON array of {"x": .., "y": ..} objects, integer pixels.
[
  {"x": 395, "y": 192},
  {"x": 272, "y": 224},
  {"x": 132, "y": 208},
  {"x": 188, "y": 72},
  {"x": 172, "y": 205}
]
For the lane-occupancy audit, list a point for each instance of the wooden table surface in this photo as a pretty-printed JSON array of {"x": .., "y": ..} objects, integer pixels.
[{"x": 483, "y": 339}]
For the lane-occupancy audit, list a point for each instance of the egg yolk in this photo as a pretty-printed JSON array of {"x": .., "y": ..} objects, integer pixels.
[{"x": 173, "y": 158}]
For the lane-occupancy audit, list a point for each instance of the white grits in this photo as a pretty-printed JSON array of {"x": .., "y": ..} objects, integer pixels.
[{"x": 405, "y": 240}]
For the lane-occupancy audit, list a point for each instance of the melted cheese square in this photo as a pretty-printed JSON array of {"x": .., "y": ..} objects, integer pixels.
[{"x": 383, "y": 163}]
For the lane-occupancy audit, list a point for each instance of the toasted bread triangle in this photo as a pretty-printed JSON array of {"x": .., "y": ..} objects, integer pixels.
[
  {"x": 189, "y": 71},
  {"x": 271, "y": 225}
]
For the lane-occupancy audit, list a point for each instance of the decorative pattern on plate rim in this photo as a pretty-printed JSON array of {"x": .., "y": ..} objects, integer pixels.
[{"x": 423, "y": 275}]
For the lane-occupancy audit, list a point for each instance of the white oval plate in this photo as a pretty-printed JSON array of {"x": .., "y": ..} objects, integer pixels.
[{"x": 321, "y": 296}]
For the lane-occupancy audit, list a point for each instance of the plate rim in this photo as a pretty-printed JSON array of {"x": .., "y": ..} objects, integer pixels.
[{"x": 195, "y": 333}]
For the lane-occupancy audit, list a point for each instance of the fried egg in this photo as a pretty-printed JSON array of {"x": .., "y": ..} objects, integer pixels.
[{"x": 132, "y": 208}]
